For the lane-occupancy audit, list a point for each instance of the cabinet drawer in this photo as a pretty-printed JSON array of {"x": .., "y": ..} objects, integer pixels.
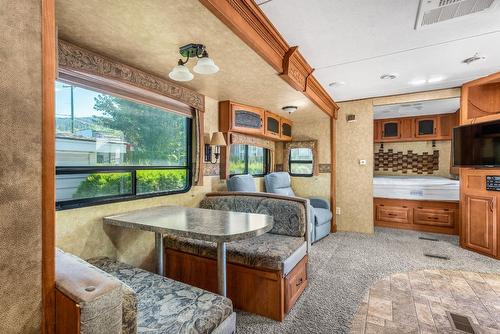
[
  {"x": 394, "y": 214},
  {"x": 435, "y": 217},
  {"x": 295, "y": 283}
]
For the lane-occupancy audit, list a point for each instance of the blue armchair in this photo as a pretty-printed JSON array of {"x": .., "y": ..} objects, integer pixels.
[
  {"x": 241, "y": 183},
  {"x": 280, "y": 183}
]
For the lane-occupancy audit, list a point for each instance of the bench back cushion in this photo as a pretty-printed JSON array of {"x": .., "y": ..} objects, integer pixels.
[{"x": 289, "y": 216}]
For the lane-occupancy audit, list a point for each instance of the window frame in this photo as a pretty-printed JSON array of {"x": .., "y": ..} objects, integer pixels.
[
  {"x": 290, "y": 162},
  {"x": 91, "y": 201},
  {"x": 266, "y": 161}
]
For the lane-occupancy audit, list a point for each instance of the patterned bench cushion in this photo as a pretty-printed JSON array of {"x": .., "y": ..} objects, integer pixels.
[
  {"x": 289, "y": 216},
  {"x": 269, "y": 251},
  {"x": 168, "y": 306}
]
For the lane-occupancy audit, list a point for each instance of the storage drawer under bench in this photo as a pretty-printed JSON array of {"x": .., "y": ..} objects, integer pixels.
[{"x": 426, "y": 216}]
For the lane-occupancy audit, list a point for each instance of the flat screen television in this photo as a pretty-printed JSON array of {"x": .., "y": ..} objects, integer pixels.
[{"x": 477, "y": 145}]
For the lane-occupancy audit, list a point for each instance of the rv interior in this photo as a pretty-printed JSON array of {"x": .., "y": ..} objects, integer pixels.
[{"x": 250, "y": 166}]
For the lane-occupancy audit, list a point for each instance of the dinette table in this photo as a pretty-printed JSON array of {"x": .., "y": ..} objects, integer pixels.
[{"x": 195, "y": 223}]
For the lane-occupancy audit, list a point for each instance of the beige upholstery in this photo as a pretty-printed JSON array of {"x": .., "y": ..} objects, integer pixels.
[{"x": 99, "y": 296}]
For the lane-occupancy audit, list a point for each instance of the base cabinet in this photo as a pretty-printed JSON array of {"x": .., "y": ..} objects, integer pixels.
[
  {"x": 480, "y": 212},
  {"x": 425, "y": 216}
]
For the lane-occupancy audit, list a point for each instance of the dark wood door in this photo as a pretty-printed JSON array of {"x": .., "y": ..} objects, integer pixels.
[{"x": 480, "y": 223}]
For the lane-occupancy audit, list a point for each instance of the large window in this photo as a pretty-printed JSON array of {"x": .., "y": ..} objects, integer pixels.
[
  {"x": 110, "y": 148},
  {"x": 247, "y": 159},
  {"x": 301, "y": 162}
]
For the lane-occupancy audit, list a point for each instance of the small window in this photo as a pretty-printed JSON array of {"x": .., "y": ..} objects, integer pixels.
[
  {"x": 301, "y": 162},
  {"x": 109, "y": 148},
  {"x": 247, "y": 159}
]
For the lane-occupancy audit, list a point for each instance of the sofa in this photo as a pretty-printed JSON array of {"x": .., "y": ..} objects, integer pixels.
[
  {"x": 266, "y": 274},
  {"x": 280, "y": 183},
  {"x": 107, "y": 296}
]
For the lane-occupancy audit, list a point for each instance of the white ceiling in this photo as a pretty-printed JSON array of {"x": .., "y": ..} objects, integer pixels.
[
  {"x": 357, "y": 41},
  {"x": 432, "y": 107}
]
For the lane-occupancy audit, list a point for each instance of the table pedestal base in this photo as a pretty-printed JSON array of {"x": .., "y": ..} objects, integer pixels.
[{"x": 221, "y": 267}]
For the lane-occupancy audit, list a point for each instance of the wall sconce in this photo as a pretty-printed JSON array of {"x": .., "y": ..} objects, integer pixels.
[
  {"x": 205, "y": 64},
  {"x": 217, "y": 141}
]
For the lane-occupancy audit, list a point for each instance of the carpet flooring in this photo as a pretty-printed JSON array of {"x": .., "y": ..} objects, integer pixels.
[{"x": 344, "y": 265}]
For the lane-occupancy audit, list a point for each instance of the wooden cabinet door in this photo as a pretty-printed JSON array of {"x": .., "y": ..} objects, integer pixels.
[
  {"x": 426, "y": 127},
  {"x": 272, "y": 125},
  {"x": 247, "y": 119},
  {"x": 286, "y": 129},
  {"x": 446, "y": 125},
  {"x": 407, "y": 129},
  {"x": 480, "y": 223},
  {"x": 377, "y": 131},
  {"x": 391, "y": 129}
]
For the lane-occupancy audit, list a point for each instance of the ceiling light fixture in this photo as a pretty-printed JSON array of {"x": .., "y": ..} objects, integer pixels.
[
  {"x": 388, "y": 76},
  {"x": 472, "y": 59},
  {"x": 435, "y": 79},
  {"x": 205, "y": 64},
  {"x": 418, "y": 82},
  {"x": 290, "y": 109}
]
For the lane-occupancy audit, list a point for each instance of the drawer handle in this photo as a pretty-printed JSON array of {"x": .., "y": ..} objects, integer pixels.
[
  {"x": 391, "y": 214},
  {"x": 432, "y": 218},
  {"x": 299, "y": 283}
]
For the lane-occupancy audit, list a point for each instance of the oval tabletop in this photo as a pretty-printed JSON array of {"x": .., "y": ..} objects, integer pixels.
[{"x": 195, "y": 223}]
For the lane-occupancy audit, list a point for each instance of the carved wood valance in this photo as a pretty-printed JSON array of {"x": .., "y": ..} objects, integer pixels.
[
  {"x": 238, "y": 138},
  {"x": 246, "y": 19},
  {"x": 76, "y": 59}
]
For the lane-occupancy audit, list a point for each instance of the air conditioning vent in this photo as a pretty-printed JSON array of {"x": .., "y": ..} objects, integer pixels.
[{"x": 434, "y": 11}]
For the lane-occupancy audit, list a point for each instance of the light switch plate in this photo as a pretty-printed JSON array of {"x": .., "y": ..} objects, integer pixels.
[{"x": 338, "y": 211}]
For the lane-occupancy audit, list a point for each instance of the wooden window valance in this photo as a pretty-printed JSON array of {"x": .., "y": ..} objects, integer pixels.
[
  {"x": 90, "y": 69},
  {"x": 311, "y": 144},
  {"x": 237, "y": 138}
]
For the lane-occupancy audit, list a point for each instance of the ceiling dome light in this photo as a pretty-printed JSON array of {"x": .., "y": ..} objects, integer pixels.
[
  {"x": 180, "y": 73},
  {"x": 418, "y": 82},
  {"x": 205, "y": 65},
  {"x": 435, "y": 79},
  {"x": 290, "y": 109},
  {"x": 388, "y": 76}
]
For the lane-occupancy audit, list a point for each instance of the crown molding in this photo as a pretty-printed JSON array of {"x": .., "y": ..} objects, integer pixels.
[{"x": 249, "y": 23}]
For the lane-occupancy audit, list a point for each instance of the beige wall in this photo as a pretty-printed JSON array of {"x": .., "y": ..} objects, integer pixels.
[
  {"x": 355, "y": 141},
  {"x": 81, "y": 231},
  {"x": 20, "y": 154},
  {"x": 444, "y": 148},
  {"x": 354, "y": 182}
]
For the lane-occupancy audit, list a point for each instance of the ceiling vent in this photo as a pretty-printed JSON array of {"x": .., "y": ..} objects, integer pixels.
[{"x": 434, "y": 11}]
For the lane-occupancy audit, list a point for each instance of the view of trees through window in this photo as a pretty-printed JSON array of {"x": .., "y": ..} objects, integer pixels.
[
  {"x": 247, "y": 159},
  {"x": 301, "y": 161},
  {"x": 107, "y": 146}
]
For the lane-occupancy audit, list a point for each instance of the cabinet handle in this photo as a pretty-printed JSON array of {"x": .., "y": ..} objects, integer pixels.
[
  {"x": 491, "y": 206},
  {"x": 299, "y": 283}
]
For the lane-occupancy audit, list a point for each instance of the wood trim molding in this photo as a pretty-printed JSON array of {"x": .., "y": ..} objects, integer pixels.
[
  {"x": 316, "y": 93},
  {"x": 76, "y": 59},
  {"x": 248, "y": 21},
  {"x": 333, "y": 175},
  {"x": 296, "y": 69},
  {"x": 48, "y": 166},
  {"x": 238, "y": 138}
]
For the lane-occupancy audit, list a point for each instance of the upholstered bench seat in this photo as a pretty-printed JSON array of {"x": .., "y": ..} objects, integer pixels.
[
  {"x": 168, "y": 306},
  {"x": 268, "y": 251}
]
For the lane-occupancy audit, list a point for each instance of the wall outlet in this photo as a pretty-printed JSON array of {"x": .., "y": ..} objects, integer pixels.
[
  {"x": 338, "y": 211},
  {"x": 362, "y": 162}
]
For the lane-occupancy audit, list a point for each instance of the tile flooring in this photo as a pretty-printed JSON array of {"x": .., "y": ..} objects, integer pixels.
[{"x": 417, "y": 302}]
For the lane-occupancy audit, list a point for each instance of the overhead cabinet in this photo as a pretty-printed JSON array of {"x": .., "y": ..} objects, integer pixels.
[
  {"x": 435, "y": 127},
  {"x": 235, "y": 117}
]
